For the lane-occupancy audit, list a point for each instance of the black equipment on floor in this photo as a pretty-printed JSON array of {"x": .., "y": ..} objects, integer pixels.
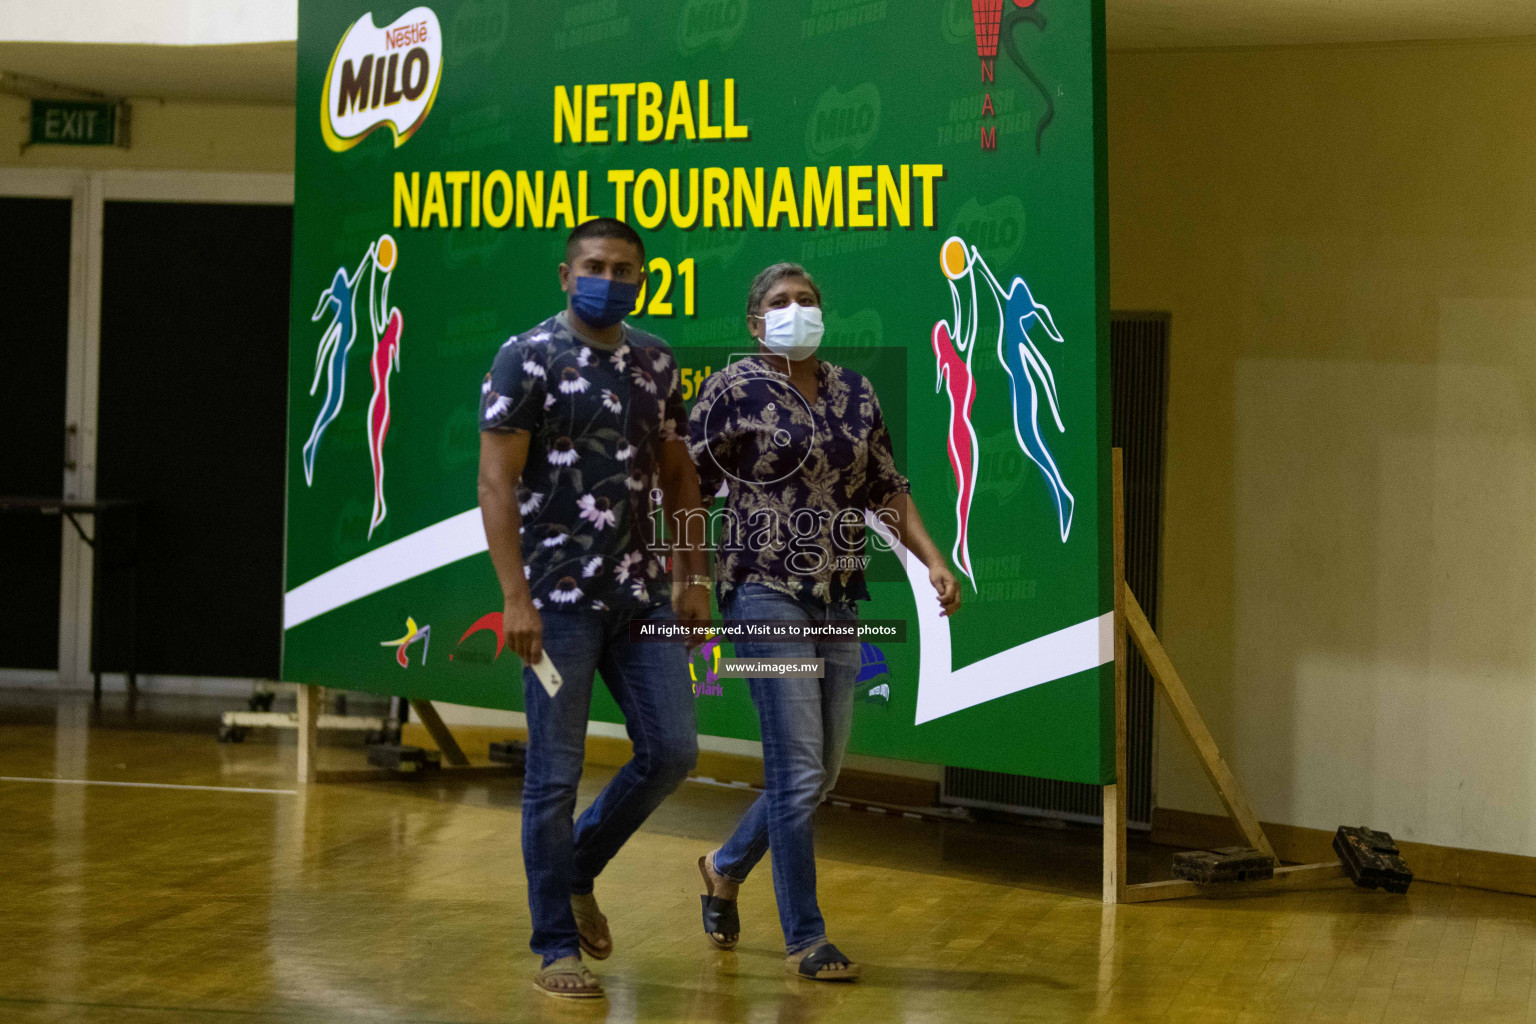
[
  {"x": 513, "y": 753},
  {"x": 1224, "y": 864},
  {"x": 1371, "y": 859},
  {"x": 403, "y": 759}
]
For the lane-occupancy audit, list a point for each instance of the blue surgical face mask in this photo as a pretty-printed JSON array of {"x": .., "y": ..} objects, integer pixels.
[{"x": 602, "y": 301}]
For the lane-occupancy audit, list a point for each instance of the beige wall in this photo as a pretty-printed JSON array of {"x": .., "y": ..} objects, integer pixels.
[
  {"x": 1346, "y": 238},
  {"x": 173, "y": 135},
  {"x": 158, "y": 22}
]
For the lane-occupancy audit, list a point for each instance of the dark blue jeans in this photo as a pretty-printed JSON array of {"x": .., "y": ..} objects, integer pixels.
[
  {"x": 805, "y": 725},
  {"x": 650, "y": 683}
]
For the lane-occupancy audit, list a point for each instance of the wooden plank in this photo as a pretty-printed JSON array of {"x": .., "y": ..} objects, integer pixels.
[
  {"x": 310, "y": 699},
  {"x": 280, "y": 720},
  {"x": 1479, "y": 869},
  {"x": 446, "y": 744},
  {"x": 1216, "y": 769},
  {"x": 1115, "y": 794},
  {"x": 1287, "y": 879}
]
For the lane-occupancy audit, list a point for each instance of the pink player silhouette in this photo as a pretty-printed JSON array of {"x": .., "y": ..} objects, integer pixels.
[{"x": 387, "y": 323}]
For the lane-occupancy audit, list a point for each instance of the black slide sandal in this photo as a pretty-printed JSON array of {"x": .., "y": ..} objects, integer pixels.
[
  {"x": 719, "y": 914},
  {"x": 817, "y": 965}
]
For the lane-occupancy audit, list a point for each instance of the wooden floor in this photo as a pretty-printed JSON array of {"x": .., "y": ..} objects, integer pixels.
[{"x": 405, "y": 902}]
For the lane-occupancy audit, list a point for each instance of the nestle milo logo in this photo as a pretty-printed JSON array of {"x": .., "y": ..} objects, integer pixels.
[
  {"x": 956, "y": 22},
  {"x": 710, "y": 23},
  {"x": 857, "y": 330},
  {"x": 996, "y": 229},
  {"x": 382, "y": 77},
  {"x": 843, "y": 120},
  {"x": 480, "y": 26}
]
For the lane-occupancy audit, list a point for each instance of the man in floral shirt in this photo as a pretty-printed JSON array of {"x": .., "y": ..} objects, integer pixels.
[{"x": 580, "y": 421}]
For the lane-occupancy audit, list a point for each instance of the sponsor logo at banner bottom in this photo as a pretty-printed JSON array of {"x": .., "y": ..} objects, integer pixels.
[{"x": 403, "y": 644}]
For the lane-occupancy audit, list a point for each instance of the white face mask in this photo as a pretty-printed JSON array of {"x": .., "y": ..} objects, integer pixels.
[{"x": 793, "y": 331}]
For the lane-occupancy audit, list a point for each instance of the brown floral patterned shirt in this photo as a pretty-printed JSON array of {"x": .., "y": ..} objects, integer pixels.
[{"x": 797, "y": 477}]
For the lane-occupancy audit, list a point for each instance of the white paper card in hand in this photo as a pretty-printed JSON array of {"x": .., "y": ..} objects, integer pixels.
[{"x": 547, "y": 674}]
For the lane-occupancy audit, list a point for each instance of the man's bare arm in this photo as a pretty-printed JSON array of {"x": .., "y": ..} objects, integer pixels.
[
  {"x": 502, "y": 458},
  {"x": 680, "y": 501}
]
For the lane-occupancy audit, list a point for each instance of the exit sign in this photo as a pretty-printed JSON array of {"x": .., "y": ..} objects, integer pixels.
[{"x": 77, "y": 123}]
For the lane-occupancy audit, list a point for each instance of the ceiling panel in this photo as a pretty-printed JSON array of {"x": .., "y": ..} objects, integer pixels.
[{"x": 248, "y": 73}]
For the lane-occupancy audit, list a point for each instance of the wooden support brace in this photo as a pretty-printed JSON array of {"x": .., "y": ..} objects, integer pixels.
[
  {"x": 1129, "y": 617},
  {"x": 1216, "y": 769},
  {"x": 1287, "y": 879},
  {"x": 446, "y": 744},
  {"x": 1115, "y": 794},
  {"x": 310, "y": 699}
]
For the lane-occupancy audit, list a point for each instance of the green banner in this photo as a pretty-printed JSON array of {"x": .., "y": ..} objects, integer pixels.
[{"x": 938, "y": 166}]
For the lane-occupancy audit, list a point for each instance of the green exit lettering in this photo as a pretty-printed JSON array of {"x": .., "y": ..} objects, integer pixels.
[{"x": 61, "y": 123}]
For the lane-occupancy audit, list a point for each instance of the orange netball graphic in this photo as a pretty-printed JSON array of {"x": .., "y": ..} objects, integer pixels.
[
  {"x": 952, "y": 259},
  {"x": 385, "y": 253}
]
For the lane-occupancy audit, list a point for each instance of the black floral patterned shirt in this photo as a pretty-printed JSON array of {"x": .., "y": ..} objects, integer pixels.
[
  {"x": 797, "y": 477},
  {"x": 598, "y": 417}
]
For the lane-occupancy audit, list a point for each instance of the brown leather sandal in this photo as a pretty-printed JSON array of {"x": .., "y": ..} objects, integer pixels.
[
  {"x": 592, "y": 927},
  {"x": 587, "y": 986}
]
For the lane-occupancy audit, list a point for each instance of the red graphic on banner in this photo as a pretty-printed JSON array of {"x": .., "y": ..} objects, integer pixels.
[
  {"x": 491, "y": 621},
  {"x": 386, "y": 357},
  {"x": 955, "y": 374}
]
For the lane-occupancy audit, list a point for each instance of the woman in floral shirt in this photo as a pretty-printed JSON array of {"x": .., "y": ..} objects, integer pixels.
[{"x": 800, "y": 450}]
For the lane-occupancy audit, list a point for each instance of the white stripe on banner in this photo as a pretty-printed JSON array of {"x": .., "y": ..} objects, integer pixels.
[
  {"x": 410, "y": 556},
  {"x": 943, "y": 690}
]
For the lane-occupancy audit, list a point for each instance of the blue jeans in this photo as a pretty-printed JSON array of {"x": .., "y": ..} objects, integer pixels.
[
  {"x": 805, "y": 724},
  {"x": 650, "y": 683}
]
